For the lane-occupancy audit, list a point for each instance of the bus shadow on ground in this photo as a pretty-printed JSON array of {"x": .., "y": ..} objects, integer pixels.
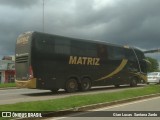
[{"x": 92, "y": 90}]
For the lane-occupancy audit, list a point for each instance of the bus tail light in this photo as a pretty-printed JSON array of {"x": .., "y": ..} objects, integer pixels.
[{"x": 30, "y": 72}]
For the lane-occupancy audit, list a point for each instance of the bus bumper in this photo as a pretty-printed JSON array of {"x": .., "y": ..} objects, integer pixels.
[
  {"x": 26, "y": 84},
  {"x": 142, "y": 77}
]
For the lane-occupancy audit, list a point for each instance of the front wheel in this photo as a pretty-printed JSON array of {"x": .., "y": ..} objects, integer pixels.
[
  {"x": 85, "y": 84},
  {"x": 71, "y": 85},
  {"x": 133, "y": 82}
]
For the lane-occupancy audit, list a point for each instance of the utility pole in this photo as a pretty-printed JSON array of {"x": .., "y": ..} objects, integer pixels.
[{"x": 43, "y": 17}]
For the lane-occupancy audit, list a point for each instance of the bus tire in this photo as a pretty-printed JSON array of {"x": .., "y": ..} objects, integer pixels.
[
  {"x": 71, "y": 85},
  {"x": 54, "y": 90},
  {"x": 85, "y": 84},
  {"x": 133, "y": 82}
]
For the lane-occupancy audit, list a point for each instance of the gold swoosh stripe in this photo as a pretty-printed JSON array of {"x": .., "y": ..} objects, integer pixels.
[
  {"x": 117, "y": 70},
  {"x": 144, "y": 77}
]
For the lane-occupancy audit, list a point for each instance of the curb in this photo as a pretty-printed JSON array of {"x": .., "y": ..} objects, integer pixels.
[
  {"x": 95, "y": 106},
  {"x": 5, "y": 88}
]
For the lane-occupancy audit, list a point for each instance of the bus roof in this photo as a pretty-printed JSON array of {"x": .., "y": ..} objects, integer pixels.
[{"x": 78, "y": 39}]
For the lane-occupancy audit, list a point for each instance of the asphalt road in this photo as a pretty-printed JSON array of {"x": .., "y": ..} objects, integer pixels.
[
  {"x": 152, "y": 104},
  {"x": 10, "y": 96}
]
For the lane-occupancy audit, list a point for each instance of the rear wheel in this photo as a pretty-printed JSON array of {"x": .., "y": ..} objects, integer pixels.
[
  {"x": 85, "y": 84},
  {"x": 71, "y": 85},
  {"x": 133, "y": 82}
]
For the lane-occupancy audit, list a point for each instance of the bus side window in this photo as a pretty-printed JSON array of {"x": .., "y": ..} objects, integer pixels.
[
  {"x": 83, "y": 49},
  {"x": 115, "y": 53},
  {"x": 43, "y": 45},
  {"x": 102, "y": 51},
  {"x": 91, "y": 50},
  {"x": 62, "y": 46}
]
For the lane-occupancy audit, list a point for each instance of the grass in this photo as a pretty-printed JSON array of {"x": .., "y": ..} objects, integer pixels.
[
  {"x": 80, "y": 100},
  {"x": 4, "y": 85}
]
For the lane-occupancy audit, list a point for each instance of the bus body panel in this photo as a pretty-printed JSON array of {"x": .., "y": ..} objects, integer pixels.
[{"x": 54, "y": 59}]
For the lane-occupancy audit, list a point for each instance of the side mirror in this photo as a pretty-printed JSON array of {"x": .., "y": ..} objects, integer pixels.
[{"x": 147, "y": 61}]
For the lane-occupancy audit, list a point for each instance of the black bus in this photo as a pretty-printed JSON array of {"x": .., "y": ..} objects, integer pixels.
[{"x": 53, "y": 62}]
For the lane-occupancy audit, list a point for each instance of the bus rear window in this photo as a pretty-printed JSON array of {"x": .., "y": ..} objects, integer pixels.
[
  {"x": 22, "y": 40},
  {"x": 22, "y": 44}
]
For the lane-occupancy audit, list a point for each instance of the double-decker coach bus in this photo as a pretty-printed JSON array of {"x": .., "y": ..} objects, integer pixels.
[{"x": 53, "y": 62}]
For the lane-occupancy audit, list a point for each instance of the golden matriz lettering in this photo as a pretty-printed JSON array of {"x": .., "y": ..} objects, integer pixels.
[{"x": 84, "y": 60}]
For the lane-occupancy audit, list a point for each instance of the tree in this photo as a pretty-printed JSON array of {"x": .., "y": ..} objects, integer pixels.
[{"x": 153, "y": 65}]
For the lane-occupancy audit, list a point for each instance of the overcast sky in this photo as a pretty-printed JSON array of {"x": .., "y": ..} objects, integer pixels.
[{"x": 132, "y": 22}]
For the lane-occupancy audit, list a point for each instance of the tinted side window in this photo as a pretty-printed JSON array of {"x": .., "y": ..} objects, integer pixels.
[
  {"x": 115, "y": 53},
  {"x": 129, "y": 54},
  {"x": 83, "y": 48},
  {"x": 102, "y": 51},
  {"x": 44, "y": 45},
  {"x": 62, "y": 46}
]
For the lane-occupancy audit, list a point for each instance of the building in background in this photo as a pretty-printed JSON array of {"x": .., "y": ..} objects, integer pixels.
[{"x": 7, "y": 69}]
